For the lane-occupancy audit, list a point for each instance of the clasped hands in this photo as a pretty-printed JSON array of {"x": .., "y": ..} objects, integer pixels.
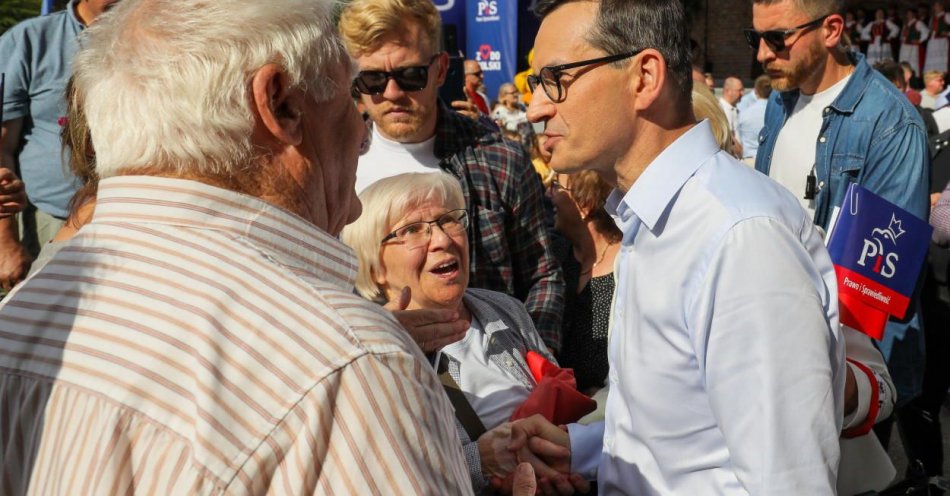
[{"x": 534, "y": 440}]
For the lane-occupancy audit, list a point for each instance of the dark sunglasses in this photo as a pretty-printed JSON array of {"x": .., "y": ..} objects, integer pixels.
[
  {"x": 413, "y": 78},
  {"x": 775, "y": 38}
]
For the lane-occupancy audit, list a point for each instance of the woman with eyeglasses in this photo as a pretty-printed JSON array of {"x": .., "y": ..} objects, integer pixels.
[{"x": 413, "y": 236}]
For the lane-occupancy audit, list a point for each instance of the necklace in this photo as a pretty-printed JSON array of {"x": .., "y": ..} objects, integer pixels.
[{"x": 603, "y": 254}]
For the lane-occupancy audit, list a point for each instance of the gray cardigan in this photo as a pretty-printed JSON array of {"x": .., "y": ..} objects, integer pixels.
[{"x": 511, "y": 335}]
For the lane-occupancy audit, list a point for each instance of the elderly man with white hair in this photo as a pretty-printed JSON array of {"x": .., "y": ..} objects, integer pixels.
[{"x": 200, "y": 335}]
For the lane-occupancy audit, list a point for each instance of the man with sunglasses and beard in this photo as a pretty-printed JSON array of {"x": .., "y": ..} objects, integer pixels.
[
  {"x": 831, "y": 122},
  {"x": 396, "y": 44}
]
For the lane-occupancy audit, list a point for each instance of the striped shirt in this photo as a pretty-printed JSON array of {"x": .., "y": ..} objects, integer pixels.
[{"x": 192, "y": 340}]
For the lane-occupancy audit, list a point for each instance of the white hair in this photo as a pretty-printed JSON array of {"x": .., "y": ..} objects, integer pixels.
[
  {"x": 385, "y": 202},
  {"x": 166, "y": 83}
]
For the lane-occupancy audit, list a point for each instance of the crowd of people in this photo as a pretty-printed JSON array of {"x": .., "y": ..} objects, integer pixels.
[{"x": 276, "y": 261}]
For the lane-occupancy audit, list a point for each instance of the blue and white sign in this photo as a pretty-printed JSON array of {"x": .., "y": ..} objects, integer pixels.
[{"x": 492, "y": 40}]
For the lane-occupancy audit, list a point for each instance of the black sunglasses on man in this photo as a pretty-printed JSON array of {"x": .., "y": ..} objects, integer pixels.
[
  {"x": 412, "y": 78},
  {"x": 775, "y": 38}
]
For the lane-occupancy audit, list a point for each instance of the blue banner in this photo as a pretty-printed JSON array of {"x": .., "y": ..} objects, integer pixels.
[
  {"x": 492, "y": 40},
  {"x": 453, "y": 19}
]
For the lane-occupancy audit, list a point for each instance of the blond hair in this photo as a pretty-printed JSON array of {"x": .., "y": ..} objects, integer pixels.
[
  {"x": 931, "y": 75},
  {"x": 364, "y": 24},
  {"x": 705, "y": 106},
  {"x": 385, "y": 202}
]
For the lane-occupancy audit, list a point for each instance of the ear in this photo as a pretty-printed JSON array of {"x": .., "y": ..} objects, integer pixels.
[
  {"x": 832, "y": 30},
  {"x": 442, "y": 68},
  {"x": 650, "y": 74},
  {"x": 279, "y": 107}
]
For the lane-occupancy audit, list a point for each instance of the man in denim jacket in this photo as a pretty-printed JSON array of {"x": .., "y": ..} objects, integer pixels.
[{"x": 834, "y": 121}]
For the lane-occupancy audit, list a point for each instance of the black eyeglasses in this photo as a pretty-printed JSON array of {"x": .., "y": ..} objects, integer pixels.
[
  {"x": 416, "y": 234},
  {"x": 550, "y": 77},
  {"x": 412, "y": 78},
  {"x": 775, "y": 38}
]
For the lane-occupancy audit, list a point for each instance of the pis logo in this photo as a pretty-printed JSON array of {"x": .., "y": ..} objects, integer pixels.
[
  {"x": 487, "y": 11},
  {"x": 874, "y": 251}
]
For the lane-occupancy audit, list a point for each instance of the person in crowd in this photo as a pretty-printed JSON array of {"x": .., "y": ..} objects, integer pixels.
[
  {"x": 878, "y": 34},
  {"x": 705, "y": 390},
  {"x": 707, "y": 106},
  {"x": 732, "y": 90},
  {"x": 413, "y": 132},
  {"x": 752, "y": 119},
  {"x": 913, "y": 34},
  {"x": 201, "y": 334},
  {"x": 475, "y": 86},
  {"x": 37, "y": 59},
  {"x": 940, "y": 218},
  {"x": 539, "y": 159},
  {"x": 853, "y": 28},
  {"x": 412, "y": 237},
  {"x": 934, "y": 85},
  {"x": 893, "y": 72},
  {"x": 938, "y": 48},
  {"x": 698, "y": 76},
  {"x": 710, "y": 82},
  {"x": 508, "y": 113},
  {"x": 830, "y": 106},
  {"x": 588, "y": 264}
]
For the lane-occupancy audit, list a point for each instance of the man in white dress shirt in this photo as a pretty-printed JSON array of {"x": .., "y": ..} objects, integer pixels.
[{"x": 726, "y": 365}]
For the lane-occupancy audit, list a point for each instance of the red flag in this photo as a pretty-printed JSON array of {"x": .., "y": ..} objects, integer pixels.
[{"x": 555, "y": 396}]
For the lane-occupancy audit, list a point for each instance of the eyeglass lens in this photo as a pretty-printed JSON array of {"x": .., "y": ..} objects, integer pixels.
[
  {"x": 419, "y": 233},
  {"x": 408, "y": 78}
]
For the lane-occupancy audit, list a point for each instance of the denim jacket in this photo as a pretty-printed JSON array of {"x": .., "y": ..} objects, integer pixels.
[{"x": 873, "y": 136}]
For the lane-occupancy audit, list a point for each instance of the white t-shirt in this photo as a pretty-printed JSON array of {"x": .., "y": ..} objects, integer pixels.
[
  {"x": 493, "y": 394},
  {"x": 387, "y": 158},
  {"x": 795, "y": 147}
]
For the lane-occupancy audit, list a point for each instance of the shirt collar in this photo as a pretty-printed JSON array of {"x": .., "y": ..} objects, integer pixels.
[
  {"x": 73, "y": 16},
  {"x": 282, "y": 235},
  {"x": 654, "y": 190}
]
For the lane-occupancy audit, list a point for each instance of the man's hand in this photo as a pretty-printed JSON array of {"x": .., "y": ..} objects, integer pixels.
[
  {"x": 466, "y": 108},
  {"x": 15, "y": 263},
  {"x": 12, "y": 193},
  {"x": 431, "y": 329},
  {"x": 524, "y": 483},
  {"x": 547, "y": 448}
]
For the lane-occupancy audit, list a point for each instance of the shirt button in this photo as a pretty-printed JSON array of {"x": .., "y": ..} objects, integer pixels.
[
  {"x": 822, "y": 139},
  {"x": 821, "y": 184},
  {"x": 827, "y": 110}
]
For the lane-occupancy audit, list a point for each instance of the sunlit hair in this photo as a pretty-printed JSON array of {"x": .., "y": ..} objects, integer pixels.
[
  {"x": 166, "y": 83},
  {"x": 931, "y": 75},
  {"x": 365, "y": 23},
  {"x": 385, "y": 202},
  {"x": 705, "y": 106},
  {"x": 590, "y": 192}
]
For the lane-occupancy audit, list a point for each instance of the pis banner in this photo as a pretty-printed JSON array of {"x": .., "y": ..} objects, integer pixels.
[
  {"x": 878, "y": 250},
  {"x": 492, "y": 40}
]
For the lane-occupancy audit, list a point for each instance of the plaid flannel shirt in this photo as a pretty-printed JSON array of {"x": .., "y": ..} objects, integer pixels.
[{"x": 511, "y": 250}]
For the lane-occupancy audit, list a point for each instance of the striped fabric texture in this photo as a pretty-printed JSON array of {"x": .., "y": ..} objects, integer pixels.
[{"x": 192, "y": 340}]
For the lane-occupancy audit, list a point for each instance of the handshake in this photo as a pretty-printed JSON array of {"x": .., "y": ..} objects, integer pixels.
[{"x": 530, "y": 456}]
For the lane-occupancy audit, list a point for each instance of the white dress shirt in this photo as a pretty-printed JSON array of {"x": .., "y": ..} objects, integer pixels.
[{"x": 726, "y": 363}]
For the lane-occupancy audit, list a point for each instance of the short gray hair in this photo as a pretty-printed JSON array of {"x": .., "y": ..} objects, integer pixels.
[
  {"x": 626, "y": 25},
  {"x": 813, "y": 8},
  {"x": 385, "y": 202},
  {"x": 166, "y": 83}
]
